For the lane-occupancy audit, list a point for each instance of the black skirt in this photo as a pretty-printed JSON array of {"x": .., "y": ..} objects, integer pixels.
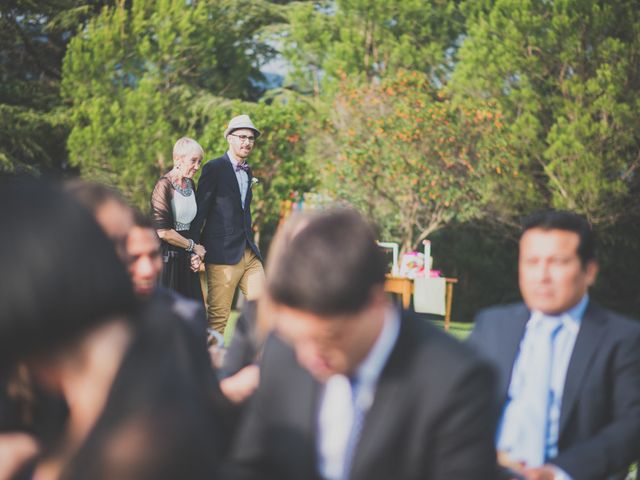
[{"x": 177, "y": 273}]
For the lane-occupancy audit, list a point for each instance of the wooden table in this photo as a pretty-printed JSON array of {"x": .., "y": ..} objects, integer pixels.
[{"x": 404, "y": 287}]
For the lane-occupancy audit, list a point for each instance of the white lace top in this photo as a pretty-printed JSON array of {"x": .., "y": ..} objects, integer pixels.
[{"x": 184, "y": 207}]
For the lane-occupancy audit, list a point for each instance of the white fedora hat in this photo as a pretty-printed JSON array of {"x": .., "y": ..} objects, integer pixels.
[{"x": 241, "y": 121}]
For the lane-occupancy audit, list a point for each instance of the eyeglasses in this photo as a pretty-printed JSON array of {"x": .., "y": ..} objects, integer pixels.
[{"x": 245, "y": 138}]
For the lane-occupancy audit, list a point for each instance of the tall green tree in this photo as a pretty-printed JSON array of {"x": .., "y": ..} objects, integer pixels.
[
  {"x": 566, "y": 74},
  {"x": 133, "y": 74},
  {"x": 411, "y": 159},
  {"x": 370, "y": 39},
  {"x": 137, "y": 79},
  {"x": 33, "y": 38}
]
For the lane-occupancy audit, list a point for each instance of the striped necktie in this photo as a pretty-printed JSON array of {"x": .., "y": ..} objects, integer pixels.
[
  {"x": 360, "y": 405},
  {"x": 527, "y": 426}
]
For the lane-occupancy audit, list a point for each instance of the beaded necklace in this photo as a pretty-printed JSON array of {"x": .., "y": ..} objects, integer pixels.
[{"x": 184, "y": 191}]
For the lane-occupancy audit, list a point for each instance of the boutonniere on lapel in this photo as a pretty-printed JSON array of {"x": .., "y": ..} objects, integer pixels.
[{"x": 254, "y": 181}]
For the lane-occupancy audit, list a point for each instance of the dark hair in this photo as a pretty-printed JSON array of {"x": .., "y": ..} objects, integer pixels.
[
  {"x": 93, "y": 195},
  {"x": 142, "y": 221},
  {"x": 330, "y": 266},
  {"x": 568, "y": 221},
  {"x": 163, "y": 405},
  {"x": 60, "y": 272}
]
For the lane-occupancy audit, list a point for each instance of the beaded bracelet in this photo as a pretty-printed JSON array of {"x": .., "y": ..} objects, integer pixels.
[{"x": 191, "y": 245}]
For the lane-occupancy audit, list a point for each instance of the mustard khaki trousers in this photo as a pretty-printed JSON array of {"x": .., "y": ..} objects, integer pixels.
[{"x": 222, "y": 281}]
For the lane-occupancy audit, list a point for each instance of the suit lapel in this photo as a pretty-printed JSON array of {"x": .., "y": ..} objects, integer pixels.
[
  {"x": 385, "y": 406},
  {"x": 583, "y": 353},
  {"x": 505, "y": 354},
  {"x": 300, "y": 429},
  {"x": 312, "y": 399}
]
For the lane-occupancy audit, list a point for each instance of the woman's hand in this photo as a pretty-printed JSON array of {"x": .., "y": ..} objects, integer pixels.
[{"x": 199, "y": 250}]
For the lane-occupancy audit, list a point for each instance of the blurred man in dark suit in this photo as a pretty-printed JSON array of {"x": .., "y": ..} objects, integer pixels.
[
  {"x": 351, "y": 388},
  {"x": 569, "y": 371}
]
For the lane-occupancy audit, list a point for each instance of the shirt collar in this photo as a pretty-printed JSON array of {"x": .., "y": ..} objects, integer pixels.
[
  {"x": 233, "y": 160},
  {"x": 370, "y": 368},
  {"x": 573, "y": 315},
  {"x": 577, "y": 311}
]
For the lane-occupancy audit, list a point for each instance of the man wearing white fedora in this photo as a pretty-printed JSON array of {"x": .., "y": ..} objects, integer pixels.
[{"x": 223, "y": 224}]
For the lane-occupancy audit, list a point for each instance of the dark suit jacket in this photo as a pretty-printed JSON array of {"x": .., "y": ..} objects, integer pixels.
[
  {"x": 227, "y": 226},
  {"x": 165, "y": 397},
  {"x": 600, "y": 413},
  {"x": 244, "y": 346},
  {"x": 433, "y": 415},
  {"x": 187, "y": 309}
]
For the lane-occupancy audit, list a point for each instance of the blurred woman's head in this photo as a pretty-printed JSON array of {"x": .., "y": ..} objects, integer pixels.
[{"x": 60, "y": 273}]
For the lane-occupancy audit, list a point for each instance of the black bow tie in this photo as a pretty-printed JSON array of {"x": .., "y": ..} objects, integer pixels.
[{"x": 242, "y": 166}]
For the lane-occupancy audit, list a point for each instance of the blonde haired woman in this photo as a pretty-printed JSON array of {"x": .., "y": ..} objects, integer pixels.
[{"x": 173, "y": 204}]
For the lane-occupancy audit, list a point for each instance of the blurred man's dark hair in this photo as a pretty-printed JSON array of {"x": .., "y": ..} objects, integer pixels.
[
  {"x": 567, "y": 221},
  {"x": 61, "y": 275},
  {"x": 93, "y": 194},
  {"x": 141, "y": 220},
  {"x": 109, "y": 208},
  {"x": 330, "y": 267}
]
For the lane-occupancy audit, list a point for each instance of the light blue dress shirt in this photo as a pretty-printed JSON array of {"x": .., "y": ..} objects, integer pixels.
[
  {"x": 515, "y": 408},
  {"x": 563, "y": 349},
  {"x": 241, "y": 176}
]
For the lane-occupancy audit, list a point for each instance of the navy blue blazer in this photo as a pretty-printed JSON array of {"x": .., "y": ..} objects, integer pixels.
[
  {"x": 433, "y": 416},
  {"x": 227, "y": 226},
  {"x": 600, "y": 413}
]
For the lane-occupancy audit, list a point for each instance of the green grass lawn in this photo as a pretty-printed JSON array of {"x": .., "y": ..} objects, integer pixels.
[
  {"x": 459, "y": 330},
  {"x": 231, "y": 325}
]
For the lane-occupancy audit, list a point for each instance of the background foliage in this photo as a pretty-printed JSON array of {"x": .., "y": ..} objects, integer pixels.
[
  {"x": 33, "y": 39},
  {"x": 141, "y": 77},
  {"x": 409, "y": 157},
  {"x": 442, "y": 119}
]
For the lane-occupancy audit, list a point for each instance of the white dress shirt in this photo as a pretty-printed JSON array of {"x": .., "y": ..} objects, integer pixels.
[
  {"x": 183, "y": 205},
  {"x": 336, "y": 413}
]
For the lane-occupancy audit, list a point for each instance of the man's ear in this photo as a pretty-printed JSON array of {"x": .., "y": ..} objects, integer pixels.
[
  {"x": 378, "y": 297},
  {"x": 46, "y": 374},
  {"x": 592, "y": 270}
]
